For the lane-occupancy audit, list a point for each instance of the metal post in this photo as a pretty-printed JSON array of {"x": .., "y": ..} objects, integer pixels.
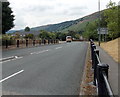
[
  {"x": 93, "y": 55},
  {"x": 39, "y": 42},
  {"x": 18, "y": 43},
  {"x": 99, "y": 22},
  {"x": 26, "y": 43},
  {"x": 33, "y": 42},
  {"x": 92, "y": 50},
  {"x": 96, "y": 62},
  {"x": 101, "y": 69},
  {"x": 6, "y": 43}
]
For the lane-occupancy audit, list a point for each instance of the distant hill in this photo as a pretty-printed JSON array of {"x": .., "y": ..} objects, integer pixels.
[
  {"x": 11, "y": 31},
  {"x": 77, "y": 25}
]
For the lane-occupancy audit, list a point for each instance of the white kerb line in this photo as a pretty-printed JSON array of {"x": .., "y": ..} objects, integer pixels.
[{"x": 11, "y": 76}]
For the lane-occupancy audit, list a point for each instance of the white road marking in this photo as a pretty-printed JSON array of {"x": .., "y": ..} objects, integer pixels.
[
  {"x": 7, "y": 58},
  {"x": 58, "y": 47},
  {"x": 15, "y": 58},
  {"x": 39, "y": 52},
  {"x": 11, "y": 76},
  {"x": 5, "y": 61}
]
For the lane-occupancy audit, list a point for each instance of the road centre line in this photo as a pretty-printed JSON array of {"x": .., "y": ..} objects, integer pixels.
[
  {"x": 58, "y": 47},
  {"x": 39, "y": 52},
  {"x": 11, "y": 76}
]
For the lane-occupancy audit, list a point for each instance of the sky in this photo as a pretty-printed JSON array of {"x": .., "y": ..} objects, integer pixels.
[{"x": 33, "y": 13}]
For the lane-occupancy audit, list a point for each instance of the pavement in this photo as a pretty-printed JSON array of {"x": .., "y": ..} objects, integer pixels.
[
  {"x": 44, "y": 70},
  {"x": 113, "y": 69}
]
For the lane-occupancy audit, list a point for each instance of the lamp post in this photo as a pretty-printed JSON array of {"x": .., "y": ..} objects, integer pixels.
[{"x": 99, "y": 22}]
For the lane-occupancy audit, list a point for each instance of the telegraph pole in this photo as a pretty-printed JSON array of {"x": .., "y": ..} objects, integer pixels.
[{"x": 99, "y": 22}]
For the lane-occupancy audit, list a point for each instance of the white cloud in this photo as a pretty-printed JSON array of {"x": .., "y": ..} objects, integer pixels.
[{"x": 40, "y": 12}]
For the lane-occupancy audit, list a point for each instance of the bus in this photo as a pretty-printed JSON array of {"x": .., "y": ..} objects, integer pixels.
[{"x": 68, "y": 39}]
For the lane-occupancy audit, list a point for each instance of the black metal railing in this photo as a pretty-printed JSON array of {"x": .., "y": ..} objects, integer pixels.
[
  {"x": 100, "y": 73},
  {"x": 20, "y": 43}
]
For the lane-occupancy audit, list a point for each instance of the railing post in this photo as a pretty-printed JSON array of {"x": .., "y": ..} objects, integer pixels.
[
  {"x": 51, "y": 41},
  {"x": 48, "y": 41},
  {"x": 95, "y": 62},
  {"x": 39, "y": 42},
  {"x": 6, "y": 43},
  {"x": 26, "y": 43},
  {"x": 44, "y": 41},
  {"x": 101, "y": 69},
  {"x": 93, "y": 54},
  {"x": 33, "y": 42},
  {"x": 92, "y": 50},
  {"x": 18, "y": 43}
]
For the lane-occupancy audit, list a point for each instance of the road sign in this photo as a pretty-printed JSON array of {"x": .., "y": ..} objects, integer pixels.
[{"x": 103, "y": 31}]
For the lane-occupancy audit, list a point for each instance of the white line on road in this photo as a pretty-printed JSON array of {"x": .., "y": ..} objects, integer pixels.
[
  {"x": 39, "y": 52},
  {"x": 11, "y": 76},
  {"x": 7, "y": 58},
  {"x": 15, "y": 58},
  {"x": 58, "y": 47}
]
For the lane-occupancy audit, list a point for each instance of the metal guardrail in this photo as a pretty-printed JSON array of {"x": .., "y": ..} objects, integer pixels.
[
  {"x": 100, "y": 73},
  {"x": 33, "y": 42}
]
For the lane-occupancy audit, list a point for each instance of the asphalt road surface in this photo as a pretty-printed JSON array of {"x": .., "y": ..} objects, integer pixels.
[{"x": 45, "y": 70}]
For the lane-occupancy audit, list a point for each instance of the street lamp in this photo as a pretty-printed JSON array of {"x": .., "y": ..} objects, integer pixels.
[{"x": 99, "y": 22}]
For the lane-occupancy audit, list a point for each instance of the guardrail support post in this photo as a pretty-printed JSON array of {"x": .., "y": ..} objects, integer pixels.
[
  {"x": 102, "y": 69},
  {"x": 33, "y": 42},
  {"x": 93, "y": 54},
  {"x": 39, "y": 42},
  {"x": 18, "y": 43},
  {"x": 6, "y": 43},
  {"x": 92, "y": 50},
  {"x": 95, "y": 62},
  {"x": 26, "y": 43}
]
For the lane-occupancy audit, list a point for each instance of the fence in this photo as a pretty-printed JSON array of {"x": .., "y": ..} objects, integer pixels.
[
  {"x": 27, "y": 43},
  {"x": 100, "y": 73}
]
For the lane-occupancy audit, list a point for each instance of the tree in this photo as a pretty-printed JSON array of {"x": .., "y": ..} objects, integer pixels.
[
  {"x": 7, "y": 17},
  {"x": 71, "y": 33},
  {"x": 30, "y": 36},
  {"x": 91, "y": 31},
  {"x": 27, "y": 29},
  {"x": 112, "y": 19},
  {"x": 62, "y": 36},
  {"x": 44, "y": 34}
]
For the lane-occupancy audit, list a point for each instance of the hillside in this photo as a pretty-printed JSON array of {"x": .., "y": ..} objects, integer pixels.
[
  {"x": 77, "y": 25},
  {"x": 80, "y": 26}
]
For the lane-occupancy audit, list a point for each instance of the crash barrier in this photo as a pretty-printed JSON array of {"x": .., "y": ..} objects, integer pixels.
[
  {"x": 100, "y": 73},
  {"x": 18, "y": 43}
]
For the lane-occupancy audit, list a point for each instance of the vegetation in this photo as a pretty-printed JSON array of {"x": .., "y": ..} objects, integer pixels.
[
  {"x": 27, "y": 29},
  {"x": 91, "y": 31},
  {"x": 7, "y": 17},
  {"x": 109, "y": 19},
  {"x": 29, "y": 36},
  {"x": 112, "y": 19}
]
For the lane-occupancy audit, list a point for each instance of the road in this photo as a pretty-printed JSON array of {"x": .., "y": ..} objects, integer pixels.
[{"x": 45, "y": 70}]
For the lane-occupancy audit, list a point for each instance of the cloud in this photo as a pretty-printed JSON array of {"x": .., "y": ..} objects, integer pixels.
[{"x": 40, "y": 12}]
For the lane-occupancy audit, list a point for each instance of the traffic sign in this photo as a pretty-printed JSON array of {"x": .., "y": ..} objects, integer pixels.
[{"x": 103, "y": 31}]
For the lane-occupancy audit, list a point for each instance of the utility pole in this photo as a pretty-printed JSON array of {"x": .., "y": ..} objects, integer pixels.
[{"x": 99, "y": 22}]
